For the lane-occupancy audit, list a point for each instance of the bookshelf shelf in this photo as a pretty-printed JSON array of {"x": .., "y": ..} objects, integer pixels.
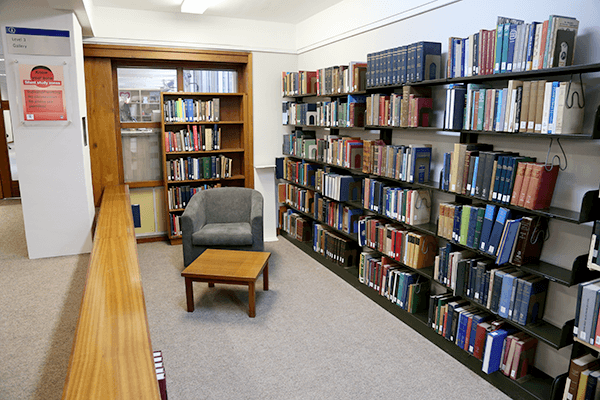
[
  {"x": 538, "y": 385},
  {"x": 232, "y": 178},
  {"x": 191, "y": 153}
]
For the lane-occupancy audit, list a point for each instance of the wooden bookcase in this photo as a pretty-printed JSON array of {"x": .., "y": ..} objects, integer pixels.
[
  {"x": 233, "y": 126},
  {"x": 540, "y": 385}
]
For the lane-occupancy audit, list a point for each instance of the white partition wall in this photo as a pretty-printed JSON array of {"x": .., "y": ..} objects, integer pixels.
[{"x": 52, "y": 156}]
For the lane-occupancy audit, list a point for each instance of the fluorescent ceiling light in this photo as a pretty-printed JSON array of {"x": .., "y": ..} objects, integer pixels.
[{"x": 194, "y": 6}]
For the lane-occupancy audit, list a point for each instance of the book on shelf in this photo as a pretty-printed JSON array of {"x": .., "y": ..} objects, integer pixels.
[
  {"x": 428, "y": 61},
  {"x": 540, "y": 187},
  {"x": 576, "y": 367},
  {"x": 593, "y": 261}
]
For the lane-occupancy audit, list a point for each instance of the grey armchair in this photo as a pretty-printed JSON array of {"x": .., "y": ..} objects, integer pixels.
[{"x": 224, "y": 218}]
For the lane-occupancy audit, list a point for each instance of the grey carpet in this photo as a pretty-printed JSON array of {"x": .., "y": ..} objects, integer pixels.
[{"x": 314, "y": 336}]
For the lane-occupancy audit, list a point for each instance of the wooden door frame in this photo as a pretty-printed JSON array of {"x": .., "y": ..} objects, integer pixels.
[{"x": 8, "y": 187}]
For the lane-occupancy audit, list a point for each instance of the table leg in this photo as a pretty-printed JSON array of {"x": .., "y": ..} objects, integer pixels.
[
  {"x": 252, "y": 299},
  {"x": 211, "y": 284},
  {"x": 266, "y": 277},
  {"x": 189, "y": 294}
]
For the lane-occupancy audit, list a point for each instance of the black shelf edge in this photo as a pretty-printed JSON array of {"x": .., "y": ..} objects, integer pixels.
[
  {"x": 324, "y": 95},
  {"x": 573, "y": 136},
  {"x": 538, "y": 387}
]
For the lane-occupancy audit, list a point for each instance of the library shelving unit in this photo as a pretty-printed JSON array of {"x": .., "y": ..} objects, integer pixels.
[
  {"x": 234, "y": 144},
  {"x": 538, "y": 385}
]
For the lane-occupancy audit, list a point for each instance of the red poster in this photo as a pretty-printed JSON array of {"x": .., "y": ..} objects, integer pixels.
[{"x": 43, "y": 91}]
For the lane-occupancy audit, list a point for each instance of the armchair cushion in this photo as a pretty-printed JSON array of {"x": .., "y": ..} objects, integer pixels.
[{"x": 226, "y": 234}]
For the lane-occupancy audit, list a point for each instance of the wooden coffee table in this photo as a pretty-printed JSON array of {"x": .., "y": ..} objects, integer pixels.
[{"x": 228, "y": 266}]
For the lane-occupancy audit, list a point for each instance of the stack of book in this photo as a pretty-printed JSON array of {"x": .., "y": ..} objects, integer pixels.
[
  {"x": 301, "y": 172},
  {"x": 334, "y": 247},
  {"x": 298, "y": 83},
  {"x": 342, "y": 78},
  {"x": 415, "y": 62},
  {"x": 194, "y": 138},
  {"x": 408, "y": 163},
  {"x": 514, "y": 46},
  {"x": 337, "y": 215},
  {"x": 586, "y": 313},
  {"x": 582, "y": 382},
  {"x": 159, "y": 368},
  {"x": 296, "y": 225},
  {"x": 401, "y": 286},
  {"x": 410, "y": 206},
  {"x": 190, "y": 110},
  {"x": 193, "y": 168},
  {"x": 505, "y": 291},
  {"x": 299, "y": 198},
  {"x": 523, "y": 106},
  {"x": 593, "y": 261},
  {"x": 499, "y": 346},
  {"x": 180, "y": 196}
]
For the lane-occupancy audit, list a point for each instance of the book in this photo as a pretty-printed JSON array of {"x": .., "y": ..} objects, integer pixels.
[
  {"x": 523, "y": 358},
  {"x": 428, "y": 61},
  {"x": 576, "y": 367},
  {"x": 560, "y": 47},
  {"x": 528, "y": 247},
  {"x": 533, "y": 300},
  {"x": 541, "y": 186},
  {"x": 486, "y": 229},
  {"x": 497, "y": 229},
  {"x": 508, "y": 241},
  {"x": 493, "y": 350},
  {"x": 569, "y": 117}
]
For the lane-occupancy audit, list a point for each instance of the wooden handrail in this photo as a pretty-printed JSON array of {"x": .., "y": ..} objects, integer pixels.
[{"x": 112, "y": 352}]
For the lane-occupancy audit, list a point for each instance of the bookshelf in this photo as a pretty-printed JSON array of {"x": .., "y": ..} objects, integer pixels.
[
  {"x": 226, "y": 150},
  {"x": 540, "y": 385}
]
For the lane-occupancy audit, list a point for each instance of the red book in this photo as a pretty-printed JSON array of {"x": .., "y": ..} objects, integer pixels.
[
  {"x": 543, "y": 44},
  {"x": 541, "y": 187},
  {"x": 475, "y": 110},
  {"x": 523, "y": 357},
  {"x": 480, "y": 335},
  {"x": 195, "y": 133},
  {"x": 525, "y": 185},
  {"x": 482, "y": 56},
  {"x": 514, "y": 198},
  {"x": 468, "y": 336},
  {"x": 423, "y": 109}
]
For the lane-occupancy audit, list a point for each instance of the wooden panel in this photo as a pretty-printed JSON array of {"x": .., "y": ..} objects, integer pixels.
[
  {"x": 249, "y": 125},
  {"x": 5, "y": 176},
  {"x": 101, "y": 109},
  {"x": 112, "y": 352},
  {"x": 159, "y": 53}
]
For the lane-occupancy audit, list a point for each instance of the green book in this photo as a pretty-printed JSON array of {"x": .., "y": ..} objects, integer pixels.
[
  {"x": 478, "y": 226},
  {"x": 206, "y": 166},
  {"x": 481, "y": 111},
  {"x": 464, "y": 224}
]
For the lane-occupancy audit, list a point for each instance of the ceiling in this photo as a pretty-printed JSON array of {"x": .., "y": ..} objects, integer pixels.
[{"x": 263, "y": 10}]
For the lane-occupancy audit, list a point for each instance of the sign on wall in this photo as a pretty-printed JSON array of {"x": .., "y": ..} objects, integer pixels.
[
  {"x": 38, "y": 42},
  {"x": 43, "y": 92}
]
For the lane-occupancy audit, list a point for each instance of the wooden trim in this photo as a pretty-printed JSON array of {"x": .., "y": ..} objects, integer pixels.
[
  {"x": 163, "y": 54},
  {"x": 5, "y": 176},
  {"x": 5, "y": 105},
  {"x": 15, "y": 191},
  {"x": 134, "y": 125},
  {"x": 249, "y": 126},
  {"x": 149, "y": 239},
  {"x": 145, "y": 184},
  {"x": 115, "y": 82},
  {"x": 103, "y": 364}
]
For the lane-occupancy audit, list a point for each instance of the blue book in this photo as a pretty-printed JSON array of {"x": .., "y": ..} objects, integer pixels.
[
  {"x": 499, "y": 176},
  {"x": 553, "y": 99},
  {"x": 446, "y": 175},
  {"x": 533, "y": 300},
  {"x": 506, "y": 292},
  {"x": 477, "y": 319},
  {"x": 505, "y": 40},
  {"x": 450, "y": 316},
  {"x": 411, "y": 62},
  {"x": 472, "y": 225},
  {"x": 409, "y": 279},
  {"x": 486, "y": 229},
  {"x": 509, "y": 163},
  {"x": 475, "y": 172},
  {"x": 509, "y": 238},
  {"x": 353, "y": 216},
  {"x": 498, "y": 55},
  {"x": 403, "y": 57},
  {"x": 592, "y": 383},
  {"x": 499, "y": 116},
  {"x": 428, "y": 60},
  {"x": 461, "y": 332},
  {"x": 512, "y": 37},
  {"x": 350, "y": 188},
  {"x": 421, "y": 164},
  {"x": 498, "y": 228},
  {"x": 492, "y": 354},
  {"x": 530, "y": 46},
  {"x": 457, "y": 223}
]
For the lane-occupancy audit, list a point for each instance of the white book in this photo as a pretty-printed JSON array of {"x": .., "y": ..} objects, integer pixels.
[
  {"x": 552, "y": 123},
  {"x": 546, "y": 109},
  {"x": 537, "y": 47}
]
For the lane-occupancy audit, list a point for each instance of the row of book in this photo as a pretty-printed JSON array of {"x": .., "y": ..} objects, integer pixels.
[
  {"x": 194, "y": 138},
  {"x": 331, "y": 80},
  {"x": 586, "y": 312},
  {"x": 334, "y": 247},
  {"x": 411, "y": 206},
  {"x": 497, "y": 344},
  {"x": 505, "y": 291},
  {"x": 180, "y": 196},
  {"x": 191, "y": 110},
  {"x": 593, "y": 261},
  {"x": 491, "y": 229},
  {"x": 582, "y": 380},
  {"x": 161, "y": 377},
  {"x": 408, "y": 163},
  {"x": 343, "y": 112},
  {"x": 414, "y": 249},
  {"x": 175, "y": 224},
  {"x": 194, "y": 168},
  {"x": 415, "y": 62},
  {"x": 300, "y": 172},
  {"x": 505, "y": 177},
  {"x": 514, "y": 46},
  {"x": 333, "y": 149},
  {"x": 337, "y": 215},
  {"x": 296, "y": 225},
  {"x": 549, "y": 107},
  {"x": 299, "y": 198},
  {"x": 410, "y": 109},
  {"x": 210, "y": 81},
  {"x": 399, "y": 285}
]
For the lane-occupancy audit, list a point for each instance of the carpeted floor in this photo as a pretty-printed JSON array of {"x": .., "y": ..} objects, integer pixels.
[{"x": 314, "y": 336}]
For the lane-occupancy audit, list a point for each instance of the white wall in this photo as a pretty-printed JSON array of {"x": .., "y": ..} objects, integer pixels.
[
  {"x": 53, "y": 162},
  {"x": 461, "y": 19}
]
